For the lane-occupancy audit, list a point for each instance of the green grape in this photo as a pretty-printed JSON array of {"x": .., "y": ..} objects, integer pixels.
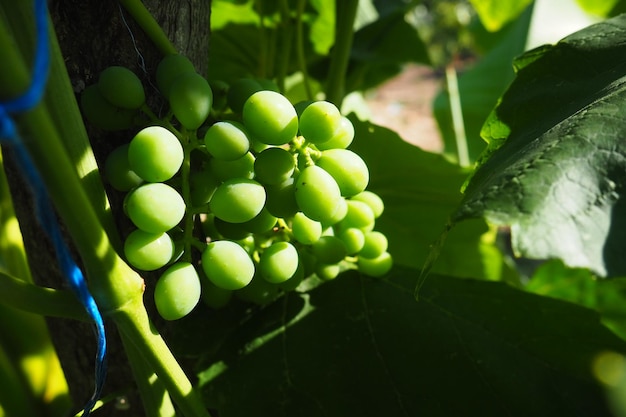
[
  {"x": 268, "y": 85},
  {"x": 274, "y": 166},
  {"x": 259, "y": 292},
  {"x": 347, "y": 168},
  {"x": 148, "y": 251},
  {"x": 155, "y": 154},
  {"x": 102, "y": 114},
  {"x": 238, "y": 200},
  {"x": 240, "y": 91},
  {"x": 327, "y": 272},
  {"x": 220, "y": 90},
  {"x": 372, "y": 200},
  {"x": 281, "y": 199},
  {"x": 317, "y": 194},
  {"x": 278, "y": 262},
  {"x": 353, "y": 239},
  {"x": 227, "y": 140},
  {"x": 118, "y": 172},
  {"x": 121, "y": 87},
  {"x": 342, "y": 136},
  {"x": 359, "y": 215},
  {"x": 307, "y": 260},
  {"x": 305, "y": 230},
  {"x": 301, "y": 105},
  {"x": 338, "y": 215},
  {"x": 202, "y": 186},
  {"x": 169, "y": 69},
  {"x": 239, "y": 168},
  {"x": 191, "y": 99},
  {"x": 227, "y": 265},
  {"x": 212, "y": 295},
  {"x": 319, "y": 121},
  {"x": 376, "y": 267},
  {"x": 329, "y": 250},
  {"x": 375, "y": 244},
  {"x": 155, "y": 207},
  {"x": 293, "y": 282},
  {"x": 270, "y": 118},
  {"x": 177, "y": 291},
  {"x": 262, "y": 222},
  {"x": 233, "y": 231}
]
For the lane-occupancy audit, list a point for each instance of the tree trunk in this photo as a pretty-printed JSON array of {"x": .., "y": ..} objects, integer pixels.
[{"x": 94, "y": 34}]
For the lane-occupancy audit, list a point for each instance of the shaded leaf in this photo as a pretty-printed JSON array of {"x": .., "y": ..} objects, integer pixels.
[
  {"x": 555, "y": 169},
  {"x": 420, "y": 190},
  {"x": 364, "y": 347}
]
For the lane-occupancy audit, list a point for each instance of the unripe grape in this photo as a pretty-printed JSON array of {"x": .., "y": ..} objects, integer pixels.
[
  {"x": 121, "y": 87},
  {"x": 293, "y": 282},
  {"x": 227, "y": 265},
  {"x": 327, "y": 272},
  {"x": 169, "y": 69},
  {"x": 238, "y": 200},
  {"x": 347, "y": 168},
  {"x": 239, "y": 168},
  {"x": 227, "y": 140},
  {"x": 342, "y": 136},
  {"x": 317, "y": 194},
  {"x": 376, "y": 267},
  {"x": 261, "y": 223},
  {"x": 240, "y": 91},
  {"x": 278, "y": 262},
  {"x": 338, "y": 215},
  {"x": 148, "y": 251},
  {"x": 155, "y": 207},
  {"x": 305, "y": 230},
  {"x": 281, "y": 199},
  {"x": 118, "y": 172},
  {"x": 191, "y": 99},
  {"x": 274, "y": 166},
  {"x": 373, "y": 200},
  {"x": 359, "y": 215},
  {"x": 155, "y": 154},
  {"x": 375, "y": 245},
  {"x": 319, "y": 121},
  {"x": 214, "y": 296},
  {"x": 102, "y": 114},
  {"x": 177, "y": 291},
  {"x": 329, "y": 250},
  {"x": 270, "y": 118},
  {"x": 232, "y": 231},
  {"x": 353, "y": 239},
  {"x": 259, "y": 291},
  {"x": 202, "y": 186}
]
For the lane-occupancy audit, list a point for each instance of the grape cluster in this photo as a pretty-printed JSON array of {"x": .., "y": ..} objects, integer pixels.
[{"x": 248, "y": 195}]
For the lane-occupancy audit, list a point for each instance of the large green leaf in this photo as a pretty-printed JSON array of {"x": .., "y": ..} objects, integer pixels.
[
  {"x": 420, "y": 190},
  {"x": 363, "y": 347},
  {"x": 607, "y": 297},
  {"x": 481, "y": 86},
  {"x": 556, "y": 166},
  {"x": 496, "y": 13}
]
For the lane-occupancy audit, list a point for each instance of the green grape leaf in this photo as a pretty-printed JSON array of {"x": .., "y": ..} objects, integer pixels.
[
  {"x": 358, "y": 346},
  {"x": 481, "y": 85},
  {"x": 420, "y": 190},
  {"x": 555, "y": 168},
  {"x": 494, "y": 14},
  {"x": 577, "y": 285},
  {"x": 322, "y": 34},
  {"x": 598, "y": 8}
]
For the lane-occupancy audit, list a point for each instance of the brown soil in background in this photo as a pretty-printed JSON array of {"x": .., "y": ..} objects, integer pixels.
[{"x": 404, "y": 104}]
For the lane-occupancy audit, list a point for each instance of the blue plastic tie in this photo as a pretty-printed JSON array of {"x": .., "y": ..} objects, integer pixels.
[{"x": 43, "y": 206}]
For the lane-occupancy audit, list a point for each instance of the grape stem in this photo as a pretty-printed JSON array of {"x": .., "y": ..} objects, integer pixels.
[
  {"x": 340, "y": 54},
  {"x": 144, "y": 19}
]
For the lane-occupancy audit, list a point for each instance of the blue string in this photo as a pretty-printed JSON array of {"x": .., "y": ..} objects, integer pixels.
[{"x": 43, "y": 207}]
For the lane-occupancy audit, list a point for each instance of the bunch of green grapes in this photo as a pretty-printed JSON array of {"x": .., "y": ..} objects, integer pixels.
[{"x": 246, "y": 196}]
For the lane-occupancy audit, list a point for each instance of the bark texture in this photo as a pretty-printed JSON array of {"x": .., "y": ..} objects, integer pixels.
[{"x": 94, "y": 34}]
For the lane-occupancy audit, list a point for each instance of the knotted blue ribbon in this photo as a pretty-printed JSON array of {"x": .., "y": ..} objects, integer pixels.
[{"x": 43, "y": 207}]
